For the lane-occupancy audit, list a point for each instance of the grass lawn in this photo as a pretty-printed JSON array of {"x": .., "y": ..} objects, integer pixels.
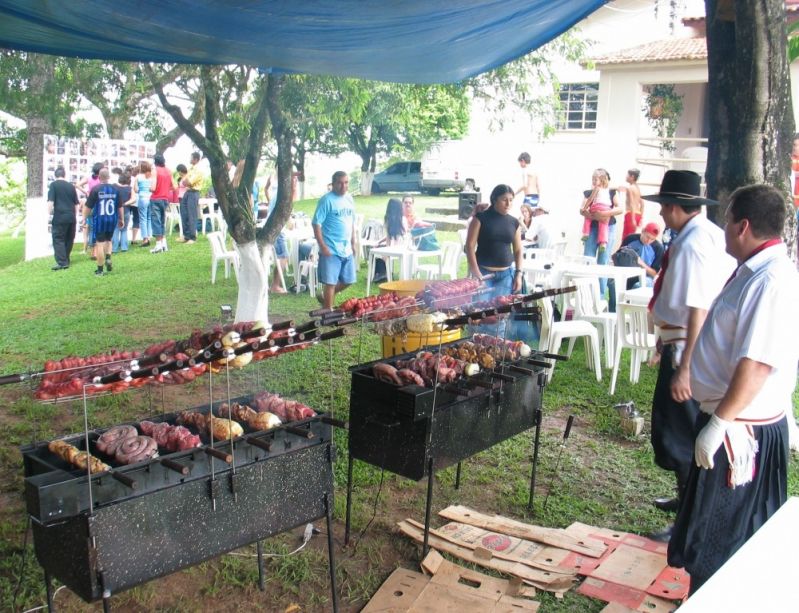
[{"x": 604, "y": 477}]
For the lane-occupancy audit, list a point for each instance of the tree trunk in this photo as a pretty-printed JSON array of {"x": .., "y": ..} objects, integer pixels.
[
  {"x": 37, "y": 125},
  {"x": 366, "y": 183},
  {"x": 284, "y": 163},
  {"x": 34, "y": 150},
  {"x": 253, "y": 296},
  {"x": 751, "y": 121},
  {"x": 116, "y": 124}
]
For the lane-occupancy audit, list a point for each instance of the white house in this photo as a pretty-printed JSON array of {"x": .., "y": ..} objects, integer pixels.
[{"x": 604, "y": 121}]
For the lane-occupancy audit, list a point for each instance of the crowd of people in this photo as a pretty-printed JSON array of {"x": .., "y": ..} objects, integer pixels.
[{"x": 128, "y": 203}]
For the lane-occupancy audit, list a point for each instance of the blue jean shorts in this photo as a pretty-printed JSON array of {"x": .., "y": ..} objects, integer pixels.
[
  {"x": 531, "y": 200},
  {"x": 335, "y": 269},
  {"x": 280, "y": 247}
]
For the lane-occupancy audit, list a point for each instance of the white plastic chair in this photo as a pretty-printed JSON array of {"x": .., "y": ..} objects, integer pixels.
[
  {"x": 450, "y": 252},
  {"x": 633, "y": 333},
  {"x": 370, "y": 268},
  {"x": 220, "y": 253},
  {"x": 533, "y": 253},
  {"x": 213, "y": 216},
  {"x": 308, "y": 268},
  {"x": 270, "y": 259},
  {"x": 588, "y": 307},
  {"x": 462, "y": 237},
  {"x": 586, "y": 260},
  {"x": 553, "y": 334},
  {"x": 559, "y": 248},
  {"x": 172, "y": 218},
  {"x": 358, "y": 228},
  {"x": 371, "y": 234}
]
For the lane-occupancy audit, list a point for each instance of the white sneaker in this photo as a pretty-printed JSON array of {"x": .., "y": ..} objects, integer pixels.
[
  {"x": 164, "y": 247},
  {"x": 157, "y": 250}
]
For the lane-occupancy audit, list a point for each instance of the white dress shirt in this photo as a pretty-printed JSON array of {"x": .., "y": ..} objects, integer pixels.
[
  {"x": 755, "y": 317},
  {"x": 698, "y": 267}
]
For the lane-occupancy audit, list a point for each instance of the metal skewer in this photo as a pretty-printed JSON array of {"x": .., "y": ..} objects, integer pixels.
[{"x": 566, "y": 433}]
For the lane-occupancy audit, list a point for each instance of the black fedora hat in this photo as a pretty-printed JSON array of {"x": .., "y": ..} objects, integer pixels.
[{"x": 680, "y": 187}]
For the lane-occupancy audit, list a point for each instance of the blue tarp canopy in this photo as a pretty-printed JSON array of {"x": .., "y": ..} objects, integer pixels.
[{"x": 415, "y": 41}]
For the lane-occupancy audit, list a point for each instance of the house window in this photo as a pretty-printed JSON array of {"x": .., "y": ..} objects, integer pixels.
[{"x": 578, "y": 103}]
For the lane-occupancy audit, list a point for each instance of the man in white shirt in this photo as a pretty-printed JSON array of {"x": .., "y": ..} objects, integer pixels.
[
  {"x": 743, "y": 374},
  {"x": 692, "y": 273}
]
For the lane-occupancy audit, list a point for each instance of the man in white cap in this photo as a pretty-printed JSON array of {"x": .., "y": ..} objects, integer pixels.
[
  {"x": 743, "y": 375},
  {"x": 692, "y": 273}
]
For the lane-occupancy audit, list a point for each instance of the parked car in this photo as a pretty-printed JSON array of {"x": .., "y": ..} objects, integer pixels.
[
  {"x": 443, "y": 167},
  {"x": 399, "y": 177}
]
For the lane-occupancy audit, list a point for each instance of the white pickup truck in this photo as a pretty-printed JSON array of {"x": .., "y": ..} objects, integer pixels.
[{"x": 443, "y": 168}]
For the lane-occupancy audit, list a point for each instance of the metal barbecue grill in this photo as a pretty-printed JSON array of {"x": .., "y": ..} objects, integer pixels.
[
  {"x": 413, "y": 431},
  {"x": 100, "y": 533},
  {"x": 150, "y": 519}
]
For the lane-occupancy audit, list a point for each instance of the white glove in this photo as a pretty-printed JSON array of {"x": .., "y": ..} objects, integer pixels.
[{"x": 709, "y": 440}]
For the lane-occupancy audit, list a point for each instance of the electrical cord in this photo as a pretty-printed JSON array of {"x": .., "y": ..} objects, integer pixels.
[
  {"x": 306, "y": 537},
  {"x": 44, "y": 606},
  {"x": 374, "y": 511}
]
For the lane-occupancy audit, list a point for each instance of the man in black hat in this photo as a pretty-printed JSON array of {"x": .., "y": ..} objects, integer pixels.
[{"x": 692, "y": 273}]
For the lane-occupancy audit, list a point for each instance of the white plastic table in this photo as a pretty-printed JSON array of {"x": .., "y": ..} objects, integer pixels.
[{"x": 407, "y": 257}]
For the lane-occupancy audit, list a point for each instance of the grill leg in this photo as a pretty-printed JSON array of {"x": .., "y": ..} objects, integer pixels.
[
  {"x": 458, "y": 476},
  {"x": 536, "y": 442},
  {"x": 428, "y": 505},
  {"x": 331, "y": 558},
  {"x": 106, "y": 601},
  {"x": 349, "y": 501},
  {"x": 48, "y": 586},
  {"x": 259, "y": 548}
]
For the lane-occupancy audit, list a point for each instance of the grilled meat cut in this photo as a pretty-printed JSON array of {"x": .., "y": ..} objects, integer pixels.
[
  {"x": 286, "y": 410},
  {"x": 251, "y": 417},
  {"x": 136, "y": 449},
  {"x": 171, "y": 438},
  {"x": 111, "y": 439},
  {"x": 222, "y": 429},
  {"x": 76, "y": 457}
]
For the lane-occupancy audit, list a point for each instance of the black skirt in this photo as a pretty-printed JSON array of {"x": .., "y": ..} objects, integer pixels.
[
  {"x": 673, "y": 423},
  {"x": 714, "y": 520}
]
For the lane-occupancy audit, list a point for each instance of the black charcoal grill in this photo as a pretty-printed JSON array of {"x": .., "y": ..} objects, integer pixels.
[
  {"x": 413, "y": 431},
  {"x": 150, "y": 519}
]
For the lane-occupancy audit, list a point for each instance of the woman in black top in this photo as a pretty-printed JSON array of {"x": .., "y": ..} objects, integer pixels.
[{"x": 494, "y": 244}]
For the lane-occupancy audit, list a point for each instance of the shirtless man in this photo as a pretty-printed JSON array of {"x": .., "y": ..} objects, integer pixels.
[
  {"x": 634, "y": 204},
  {"x": 530, "y": 184}
]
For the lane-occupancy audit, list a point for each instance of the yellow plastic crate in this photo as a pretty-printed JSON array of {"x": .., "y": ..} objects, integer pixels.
[{"x": 396, "y": 345}]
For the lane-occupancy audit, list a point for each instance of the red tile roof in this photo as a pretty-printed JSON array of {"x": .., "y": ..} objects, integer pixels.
[{"x": 669, "y": 50}]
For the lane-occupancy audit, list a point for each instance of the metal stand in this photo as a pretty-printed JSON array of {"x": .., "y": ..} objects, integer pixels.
[
  {"x": 349, "y": 501},
  {"x": 259, "y": 548},
  {"x": 428, "y": 505},
  {"x": 536, "y": 442},
  {"x": 48, "y": 586},
  {"x": 458, "y": 476},
  {"x": 330, "y": 552}
]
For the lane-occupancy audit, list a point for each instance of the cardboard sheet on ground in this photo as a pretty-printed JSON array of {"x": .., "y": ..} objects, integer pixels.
[
  {"x": 632, "y": 572},
  {"x": 450, "y": 588},
  {"x": 557, "y": 582},
  {"x": 497, "y": 544},
  {"x": 549, "y": 536}
]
